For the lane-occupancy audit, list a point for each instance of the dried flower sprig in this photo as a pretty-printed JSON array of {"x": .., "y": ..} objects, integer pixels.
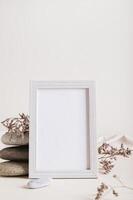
[
  {"x": 108, "y": 154},
  {"x": 18, "y": 125},
  {"x": 100, "y": 191},
  {"x": 105, "y": 188}
]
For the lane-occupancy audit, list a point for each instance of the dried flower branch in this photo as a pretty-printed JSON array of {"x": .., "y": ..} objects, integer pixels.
[
  {"x": 108, "y": 154},
  {"x": 100, "y": 191},
  {"x": 18, "y": 126},
  {"x": 108, "y": 188},
  {"x": 105, "y": 188}
]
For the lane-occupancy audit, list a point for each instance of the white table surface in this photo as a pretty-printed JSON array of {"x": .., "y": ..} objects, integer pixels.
[{"x": 70, "y": 189}]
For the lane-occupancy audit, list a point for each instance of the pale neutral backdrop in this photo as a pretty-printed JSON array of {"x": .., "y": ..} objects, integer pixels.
[{"x": 69, "y": 40}]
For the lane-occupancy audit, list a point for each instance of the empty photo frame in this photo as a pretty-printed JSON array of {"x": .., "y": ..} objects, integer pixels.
[{"x": 62, "y": 129}]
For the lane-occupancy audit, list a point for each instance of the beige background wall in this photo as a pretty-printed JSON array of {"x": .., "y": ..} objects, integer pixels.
[{"x": 69, "y": 40}]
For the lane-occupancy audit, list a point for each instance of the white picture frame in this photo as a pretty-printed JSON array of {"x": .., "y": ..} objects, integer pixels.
[{"x": 62, "y": 139}]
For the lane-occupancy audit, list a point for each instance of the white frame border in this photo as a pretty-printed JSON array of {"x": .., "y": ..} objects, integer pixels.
[{"x": 89, "y": 173}]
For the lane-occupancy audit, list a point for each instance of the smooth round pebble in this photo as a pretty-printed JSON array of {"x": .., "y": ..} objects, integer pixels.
[
  {"x": 12, "y": 139},
  {"x": 15, "y": 153},
  {"x": 11, "y": 168}
]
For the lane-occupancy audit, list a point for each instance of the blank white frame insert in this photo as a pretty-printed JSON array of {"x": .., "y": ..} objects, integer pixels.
[{"x": 62, "y": 130}]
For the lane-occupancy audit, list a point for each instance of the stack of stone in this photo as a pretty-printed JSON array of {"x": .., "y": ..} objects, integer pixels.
[{"x": 16, "y": 154}]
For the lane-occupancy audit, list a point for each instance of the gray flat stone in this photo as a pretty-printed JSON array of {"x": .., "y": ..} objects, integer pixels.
[
  {"x": 12, "y": 139},
  {"x": 11, "y": 168},
  {"x": 15, "y": 153}
]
